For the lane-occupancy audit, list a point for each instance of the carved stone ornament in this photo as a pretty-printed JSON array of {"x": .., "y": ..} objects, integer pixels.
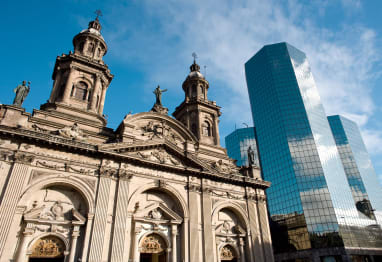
[
  {"x": 159, "y": 155},
  {"x": 160, "y": 130},
  {"x": 48, "y": 247},
  {"x": 222, "y": 167},
  {"x": 23, "y": 158},
  {"x": 155, "y": 214},
  {"x": 227, "y": 253},
  {"x": 153, "y": 244},
  {"x": 72, "y": 132}
]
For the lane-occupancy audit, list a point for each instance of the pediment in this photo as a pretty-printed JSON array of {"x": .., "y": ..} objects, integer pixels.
[
  {"x": 151, "y": 126},
  {"x": 159, "y": 152},
  {"x": 158, "y": 212},
  {"x": 53, "y": 213}
]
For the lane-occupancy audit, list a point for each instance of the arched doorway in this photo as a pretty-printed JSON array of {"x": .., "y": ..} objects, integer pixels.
[
  {"x": 153, "y": 249},
  {"x": 227, "y": 253},
  {"x": 48, "y": 249}
]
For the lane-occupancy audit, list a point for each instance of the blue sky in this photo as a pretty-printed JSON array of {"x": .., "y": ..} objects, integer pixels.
[{"x": 150, "y": 42}]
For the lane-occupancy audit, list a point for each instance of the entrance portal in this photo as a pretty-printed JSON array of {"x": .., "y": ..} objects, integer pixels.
[
  {"x": 48, "y": 249},
  {"x": 153, "y": 249}
]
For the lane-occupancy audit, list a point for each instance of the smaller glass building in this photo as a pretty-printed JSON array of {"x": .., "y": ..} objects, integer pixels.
[
  {"x": 363, "y": 181},
  {"x": 237, "y": 144}
]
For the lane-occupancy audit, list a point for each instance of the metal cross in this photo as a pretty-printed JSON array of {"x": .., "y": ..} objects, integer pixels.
[
  {"x": 98, "y": 13},
  {"x": 194, "y": 55}
]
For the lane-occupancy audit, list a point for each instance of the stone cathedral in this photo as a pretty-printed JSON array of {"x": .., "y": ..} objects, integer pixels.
[{"x": 158, "y": 188}]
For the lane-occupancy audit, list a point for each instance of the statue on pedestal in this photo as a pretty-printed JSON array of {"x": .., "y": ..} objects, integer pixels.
[
  {"x": 158, "y": 107},
  {"x": 158, "y": 94},
  {"x": 251, "y": 156},
  {"x": 21, "y": 93}
]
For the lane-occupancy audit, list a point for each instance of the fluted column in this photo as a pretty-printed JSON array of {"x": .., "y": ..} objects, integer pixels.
[
  {"x": 120, "y": 224},
  {"x": 8, "y": 217},
  {"x": 68, "y": 86},
  {"x": 174, "y": 233},
  {"x": 100, "y": 220}
]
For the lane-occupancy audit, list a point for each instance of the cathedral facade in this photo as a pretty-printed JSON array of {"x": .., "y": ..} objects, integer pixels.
[{"x": 158, "y": 188}]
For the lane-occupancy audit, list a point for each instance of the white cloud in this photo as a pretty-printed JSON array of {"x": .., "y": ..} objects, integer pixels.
[{"x": 226, "y": 34}]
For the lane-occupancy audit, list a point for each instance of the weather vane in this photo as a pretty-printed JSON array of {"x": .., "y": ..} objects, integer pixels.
[
  {"x": 98, "y": 13},
  {"x": 194, "y": 55}
]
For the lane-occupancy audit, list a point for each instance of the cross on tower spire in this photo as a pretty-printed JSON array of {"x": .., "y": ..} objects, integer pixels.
[
  {"x": 98, "y": 13},
  {"x": 194, "y": 55}
]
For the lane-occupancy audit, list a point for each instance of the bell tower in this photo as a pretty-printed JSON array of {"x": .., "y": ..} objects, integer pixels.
[
  {"x": 81, "y": 78},
  {"x": 196, "y": 112}
]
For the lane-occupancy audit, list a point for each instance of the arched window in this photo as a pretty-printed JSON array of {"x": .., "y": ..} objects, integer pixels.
[
  {"x": 81, "y": 90},
  {"x": 206, "y": 129},
  {"x": 193, "y": 91},
  {"x": 90, "y": 47}
]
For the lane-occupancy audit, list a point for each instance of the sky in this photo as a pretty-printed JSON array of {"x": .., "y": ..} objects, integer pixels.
[{"x": 150, "y": 43}]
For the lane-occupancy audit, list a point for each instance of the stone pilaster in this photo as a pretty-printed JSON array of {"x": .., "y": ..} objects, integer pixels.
[
  {"x": 254, "y": 224},
  {"x": 119, "y": 247},
  {"x": 100, "y": 220},
  {"x": 207, "y": 226},
  {"x": 194, "y": 207},
  {"x": 11, "y": 197},
  {"x": 264, "y": 224}
]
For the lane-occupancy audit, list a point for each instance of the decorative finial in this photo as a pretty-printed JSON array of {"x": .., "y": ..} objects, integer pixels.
[
  {"x": 98, "y": 13},
  {"x": 194, "y": 55}
]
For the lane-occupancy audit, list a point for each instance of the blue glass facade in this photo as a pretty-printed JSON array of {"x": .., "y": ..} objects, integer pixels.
[
  {"x": 363, "y": 181},
  {"x": 237, "y": 144},
  {"x": 310, "y": 202}
]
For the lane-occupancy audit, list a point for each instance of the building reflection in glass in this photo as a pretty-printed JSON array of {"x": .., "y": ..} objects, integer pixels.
[
  {"x": 310, "y": 201},
  {"x": 237, "y": 144}
]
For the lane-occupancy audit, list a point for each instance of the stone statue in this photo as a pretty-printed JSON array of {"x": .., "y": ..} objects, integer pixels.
[
  {"x": 251, "y": 156},
  {"x": 21, "y": 93},
  {"x": 158, "y": 94}
]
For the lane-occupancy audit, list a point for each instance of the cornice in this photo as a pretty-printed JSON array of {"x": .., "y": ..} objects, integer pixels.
[{"x": 79, "y": 146}]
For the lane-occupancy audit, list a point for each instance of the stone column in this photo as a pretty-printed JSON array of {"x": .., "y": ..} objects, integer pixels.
[
  {"x": 120, "y": 222},
  {"x": 68, "y": 86},
  {"x": 249, "y": 245},
  {"x": 23, "y": 246},
  {"x": 174, "y": 233},
  {"x": 168, "y": 257},
  {"x": 56, "y": 86},
  {"x": 194, "y": 207},
  {"x": 137, "y": 231},
  {"x": 87, "y": 237},
  {"x": 216, "y": 130},
  {"x": 96, "y": 89},
  {"x": 242, "y": 253},
  {"x": 9, "y": 220},
  {"x": 207, "y": 226},
  {"x": 102, "y": 99},
  {"x": 100, "y": 220},
  {"x": 185, "y": 246},
  {"x": 73, "y": 245}
]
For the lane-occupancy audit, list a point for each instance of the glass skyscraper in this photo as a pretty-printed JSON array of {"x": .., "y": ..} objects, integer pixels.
[
  {"x": 363, "y": 181},
  {"x": 237, "y": 144},
  {"x": 313, "y": 214}
]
